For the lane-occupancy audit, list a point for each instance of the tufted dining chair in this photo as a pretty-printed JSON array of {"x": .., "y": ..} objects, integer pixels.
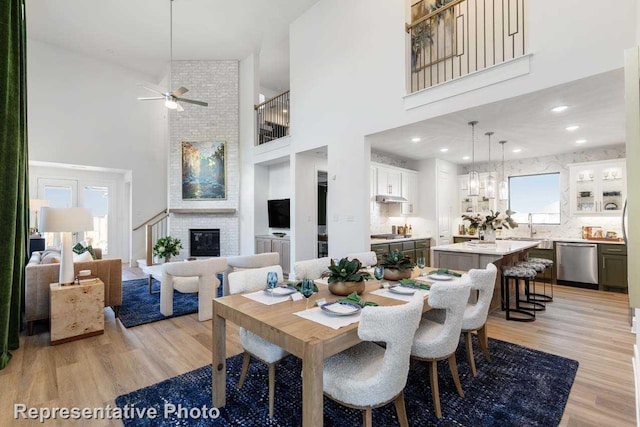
[
  {"x": 311, "y": 269},
  {"x": 475, "y": 315},
  {"x": 254, "y": 345},
  {"x": 191, "y": 276},
  {"x": 368, "y": 376},
  {"x": 436, "y": 341},
  {"x": 367, "y": 259}
]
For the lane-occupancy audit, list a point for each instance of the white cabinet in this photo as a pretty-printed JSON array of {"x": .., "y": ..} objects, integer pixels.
[
  {"x": 280, "y": 245},
  {"x": 597, "y": 188},
  {"x": 410, "y": 192},
  {"x": 389, "y": 181}
]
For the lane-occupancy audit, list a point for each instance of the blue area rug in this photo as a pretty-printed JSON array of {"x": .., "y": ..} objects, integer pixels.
[
  {"x": 139, "y": 307},
  {"x": 520, "y": 387}
]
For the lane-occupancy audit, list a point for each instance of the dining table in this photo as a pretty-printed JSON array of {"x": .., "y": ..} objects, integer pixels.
[{"x": 284, "y": 324}]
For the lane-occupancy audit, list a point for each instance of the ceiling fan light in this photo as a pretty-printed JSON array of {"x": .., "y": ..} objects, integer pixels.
[{"x": 171, "y": 104}]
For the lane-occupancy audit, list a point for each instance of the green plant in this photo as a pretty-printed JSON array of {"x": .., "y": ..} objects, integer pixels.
[
  {"x": 355, "y": 298},
  {"x": 395, "y": 259},
  {"x": 347, "y": 271},
  {"x": 167, "y": 246},
  {"x": 493, "y": 220}
]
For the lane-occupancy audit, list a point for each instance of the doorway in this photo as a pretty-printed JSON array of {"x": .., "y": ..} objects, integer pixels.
[{"x": 323, "y": 239}]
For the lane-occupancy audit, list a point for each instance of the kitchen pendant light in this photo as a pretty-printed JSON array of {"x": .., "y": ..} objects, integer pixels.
[
  {"x": 503, "y": 186},
  {"x": 474, "y": 178},
  {"x": 490, "y": 191}
]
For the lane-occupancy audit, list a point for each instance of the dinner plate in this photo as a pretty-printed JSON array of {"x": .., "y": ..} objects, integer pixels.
[
  {"x": 440, "y": 276},
  {"x": 402, "y": 290},
  {"x": 281, "y": 291},
  {"x": 340, "y": 308}
]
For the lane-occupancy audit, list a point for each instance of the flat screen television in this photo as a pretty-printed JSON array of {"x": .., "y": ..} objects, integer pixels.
[{"x": 279, "y": 213}]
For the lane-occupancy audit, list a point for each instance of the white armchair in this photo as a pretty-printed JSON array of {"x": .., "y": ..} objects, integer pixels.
[
  {"x": 311, "y": 269},
  {"x": 254, "y": 345},
  {"x": 191, "y": 276},
  {"x": 244, "y": 262},
  {"x": 437, "y": 341},
  {"x": 368, "y": 376},
  {"x": 368, "y": 259},
  {"x": 475, "y": 315}
]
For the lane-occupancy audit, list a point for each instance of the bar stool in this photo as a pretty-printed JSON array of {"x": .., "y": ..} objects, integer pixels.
[
  {"x": 543, "y": 297},
  {"x": 516, "y": 274},
  {"x": 535, "y": 304}
]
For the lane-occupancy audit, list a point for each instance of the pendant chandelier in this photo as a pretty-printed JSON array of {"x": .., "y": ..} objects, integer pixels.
[
  {"x": 491, "y": 180},
  {"x": 474, "y": 178},
  {"x": 503, "y": 186}
]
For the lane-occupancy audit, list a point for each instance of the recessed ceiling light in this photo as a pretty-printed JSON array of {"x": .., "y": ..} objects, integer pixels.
[
  {"x": 572, "y": 128},
  {"x": 466, "y": 158},
  {"x": 559, "y": 108},
  {"x": 517, "y": 150},
  {"x": 581, "y": 141},
  {"x": 285, "y": 111},
  {"x": 415, "y": 139},
  {"x": 444, "y": 150}
]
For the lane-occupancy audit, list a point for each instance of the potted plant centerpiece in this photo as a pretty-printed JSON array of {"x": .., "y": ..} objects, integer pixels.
[
  {"x": 490, "y": 223},
  {"x": 166, "y": 247},
  {"x": 346, "y": 277},
  {"x": 396, "y": 266}
]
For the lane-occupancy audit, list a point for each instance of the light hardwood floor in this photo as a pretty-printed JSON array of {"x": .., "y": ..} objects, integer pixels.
[{"x": 589, "y": 326}]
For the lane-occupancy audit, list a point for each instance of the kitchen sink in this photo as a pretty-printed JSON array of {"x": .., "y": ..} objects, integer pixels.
[{"x": 544, "y": 243}]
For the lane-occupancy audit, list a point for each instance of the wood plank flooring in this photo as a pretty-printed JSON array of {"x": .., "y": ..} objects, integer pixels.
[{"x": 589, "y": 326}]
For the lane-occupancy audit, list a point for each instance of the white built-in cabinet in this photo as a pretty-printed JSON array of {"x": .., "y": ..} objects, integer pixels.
[
  {"x": 598, "y": 188},
  {"x": 281, "y": 245},
  {"x": 393, "y": 181}
]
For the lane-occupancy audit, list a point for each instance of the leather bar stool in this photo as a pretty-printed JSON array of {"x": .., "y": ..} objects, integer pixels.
[
  {"x": 516, "y": 274},
  {"x": 544, "y": 297},
  {"x": 530, "y": 288}
]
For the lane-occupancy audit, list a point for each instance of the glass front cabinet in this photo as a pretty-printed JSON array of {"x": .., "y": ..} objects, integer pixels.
[{"x": 598, "y": 188}]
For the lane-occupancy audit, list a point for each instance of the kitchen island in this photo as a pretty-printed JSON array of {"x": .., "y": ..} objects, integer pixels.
[{"x": 468, "y": 255}]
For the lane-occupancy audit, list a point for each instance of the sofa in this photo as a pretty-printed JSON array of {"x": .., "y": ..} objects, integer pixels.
[{"x": 43, "y": 269}]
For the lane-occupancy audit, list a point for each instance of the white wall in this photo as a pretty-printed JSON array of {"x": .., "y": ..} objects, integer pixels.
[
  {"x": 348, "y": 80},
  {"x": 84, "y": 111},
  {"x": 280, "y": 181}
]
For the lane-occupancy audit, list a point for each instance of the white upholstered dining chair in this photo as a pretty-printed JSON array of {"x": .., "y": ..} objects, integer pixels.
[
  {"x": 475, "y": 315},
  {"x": 191, "y": 276},
  {"x": 367, "y": 259},
  {"x": 368, "y": 376},
  {"x": 254, "y": 345},
  {"x": 436, "y": 341},
  {"x": 311, "y": 269}
]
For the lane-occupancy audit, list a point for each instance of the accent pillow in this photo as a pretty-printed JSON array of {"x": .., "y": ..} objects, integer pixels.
[
  {"x": 79, "y": 248},
  {"x": 50, "y": 258},
  {"x": 83, "y": 257}
]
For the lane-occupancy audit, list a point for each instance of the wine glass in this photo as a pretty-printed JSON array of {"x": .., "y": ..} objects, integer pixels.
[
  {"x": 421, "y": 264},
  {"x": 378, "y": 273},
  {"x": 307, "y": 288},
  {"x": 272, "y": 281}
]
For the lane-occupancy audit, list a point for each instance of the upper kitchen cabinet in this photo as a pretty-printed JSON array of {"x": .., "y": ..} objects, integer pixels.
[
  {"x": 410, "y": 192},
  {"x": 389, "y": 181},
  {"x": 598, "y": 188}
]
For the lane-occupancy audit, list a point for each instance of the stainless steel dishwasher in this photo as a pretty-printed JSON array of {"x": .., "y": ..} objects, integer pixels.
[{"x": 577, "y": 262}]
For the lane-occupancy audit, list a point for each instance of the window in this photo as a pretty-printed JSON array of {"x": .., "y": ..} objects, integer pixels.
[{"x": 538, "y": 195}]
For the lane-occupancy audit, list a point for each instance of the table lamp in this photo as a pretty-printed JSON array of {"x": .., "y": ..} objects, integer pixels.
[
  {"x": 34, "y": 206},
  {"x": 65, "y": 221}
]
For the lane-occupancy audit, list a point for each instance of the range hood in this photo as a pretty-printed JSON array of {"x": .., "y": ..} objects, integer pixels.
[{"x": 390, "y": 199}]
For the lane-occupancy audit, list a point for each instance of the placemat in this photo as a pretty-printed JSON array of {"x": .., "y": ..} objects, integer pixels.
[
  {"x": 334, "y": 322},
  {"x": 267, "y": 299}
]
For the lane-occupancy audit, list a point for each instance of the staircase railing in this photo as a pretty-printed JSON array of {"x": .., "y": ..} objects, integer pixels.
[
  {"x": 272, "y": 118},
  {"x": 155, "y": 227},
  {"x": 452, "y": 38}
]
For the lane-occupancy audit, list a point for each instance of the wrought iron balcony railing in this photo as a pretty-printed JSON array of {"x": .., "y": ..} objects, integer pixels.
[
  {"x": 452, "y": 38},
  {"x": 272, "y": 118}
]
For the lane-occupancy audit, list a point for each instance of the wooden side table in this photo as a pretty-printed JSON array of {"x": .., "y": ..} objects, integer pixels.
[{"x": 76, "y": 311}]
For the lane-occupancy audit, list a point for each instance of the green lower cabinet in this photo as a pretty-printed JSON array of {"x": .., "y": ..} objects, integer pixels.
[
  {"x": 612, "y": 275},
  {"x": 545, "y": 276},
  {"x": 411, "y": 248},
  {"x": 462, "y": 239}
]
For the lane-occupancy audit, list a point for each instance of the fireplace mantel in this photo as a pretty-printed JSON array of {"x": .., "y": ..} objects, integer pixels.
[{"x": 178, "y": 211}]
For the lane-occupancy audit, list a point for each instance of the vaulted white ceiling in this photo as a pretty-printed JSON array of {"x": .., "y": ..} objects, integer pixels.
[{"x": 135, "y": 33}]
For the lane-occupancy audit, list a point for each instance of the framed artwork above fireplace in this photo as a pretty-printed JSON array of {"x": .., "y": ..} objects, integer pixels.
[{"x": 204, "y": 172}]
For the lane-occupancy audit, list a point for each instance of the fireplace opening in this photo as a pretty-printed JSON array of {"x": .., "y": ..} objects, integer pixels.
[{"x": 204, "y": 242}]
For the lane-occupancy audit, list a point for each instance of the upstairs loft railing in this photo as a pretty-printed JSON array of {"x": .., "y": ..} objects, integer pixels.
[
  {"x": 452, "y": 38},
  {"x": 155, "y": 227},
  {"x": 272, "y": 119}
]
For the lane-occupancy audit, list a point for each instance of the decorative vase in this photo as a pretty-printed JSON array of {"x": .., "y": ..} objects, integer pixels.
[
  {"x": 394, "y": 274},
  {"x": 471, "y": 231},
  {"x": 489, "y": 235},
  {"x": 346, "y": 288},
  {"x": 167, "y": 258}
]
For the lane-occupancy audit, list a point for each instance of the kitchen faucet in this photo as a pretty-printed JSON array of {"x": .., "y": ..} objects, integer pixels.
[{"x": 531, "y": 231}]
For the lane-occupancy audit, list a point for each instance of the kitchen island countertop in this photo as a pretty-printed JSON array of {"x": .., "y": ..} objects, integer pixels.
[
  {"x": 404, "y": 239},
  {"x": 501, "y": 247}
]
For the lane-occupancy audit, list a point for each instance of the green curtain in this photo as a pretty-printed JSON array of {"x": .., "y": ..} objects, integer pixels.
[{"x": 14, "y": 189}]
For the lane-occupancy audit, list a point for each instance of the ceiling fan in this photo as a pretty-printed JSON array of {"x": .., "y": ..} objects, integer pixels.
[{"x": 171, "y": 98}]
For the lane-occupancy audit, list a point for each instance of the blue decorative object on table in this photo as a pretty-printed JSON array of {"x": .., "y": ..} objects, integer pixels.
[{"x": 272, "y": 279}]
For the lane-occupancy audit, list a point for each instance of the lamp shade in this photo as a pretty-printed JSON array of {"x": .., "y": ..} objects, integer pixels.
[
  {"x": 36, "y": 204},
  {"x": 65, "y": 219}
]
